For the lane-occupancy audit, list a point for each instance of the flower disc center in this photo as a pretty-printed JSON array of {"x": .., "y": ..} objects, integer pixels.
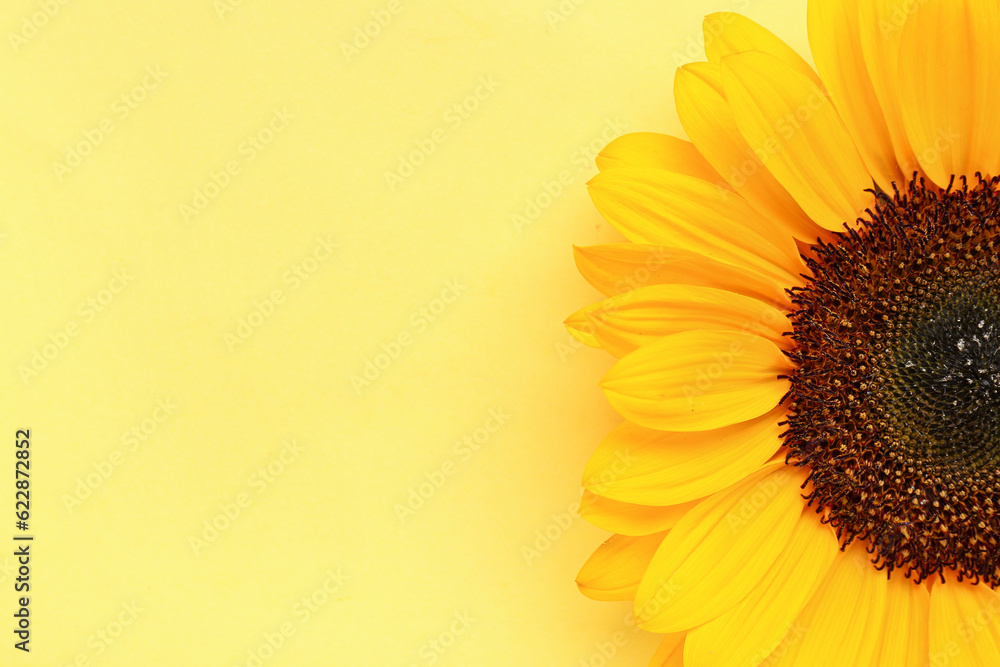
[
  {"x": 895, "y": 402},
  {"x": 943, "y": 374}
]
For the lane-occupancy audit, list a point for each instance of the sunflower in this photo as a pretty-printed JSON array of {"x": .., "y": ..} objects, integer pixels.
[{"x": 807, "y": 325}]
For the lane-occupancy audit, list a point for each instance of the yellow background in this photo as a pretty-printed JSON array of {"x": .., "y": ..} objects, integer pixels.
[{"x": 433, "y": 267}]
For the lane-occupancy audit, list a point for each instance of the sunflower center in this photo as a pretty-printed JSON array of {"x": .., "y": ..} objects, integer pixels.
[
  {"x": 944, "y": 381},
  {"x": 895, "y": 403}
]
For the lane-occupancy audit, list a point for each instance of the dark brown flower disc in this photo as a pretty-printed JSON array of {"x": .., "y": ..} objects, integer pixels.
[{"x": 895, "y": 402}]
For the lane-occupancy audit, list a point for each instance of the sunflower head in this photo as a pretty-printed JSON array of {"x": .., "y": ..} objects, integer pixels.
[{"x": 807, "y": 323}]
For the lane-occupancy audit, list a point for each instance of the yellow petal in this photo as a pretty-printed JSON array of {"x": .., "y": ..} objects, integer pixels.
[
  {"x": 835, "y": 39},
  {"x": 698, "y": 380},
  {"x": 984, "y": 150},
  {"x": 665, "y": 208},
  {"x": 936, "y": 75},
  {"x": 784, "y": 114},
  {"x": 620, "y": 267},
  {"x": 720, "y": 550},
  {"x": 706, "y": 117},
  {"x": 656, "y": 151},
  {"x": 756, "y": 627},
  {"x": 964, "y": 621},
  {"x": 904, "y": 642},
  {"x": 628, "y": 321},
  {"x": 880, "y": 23},
  {"x": 727, "y": 33},
  {"x": 630, "y": 518},
  {"x": 579, "y": 326},
  {"x": 614, "y": 570},
  {"x": 842, "y": 623},
  {"x": 670, "y": 652},
  {"x": 638, "y": 465}
]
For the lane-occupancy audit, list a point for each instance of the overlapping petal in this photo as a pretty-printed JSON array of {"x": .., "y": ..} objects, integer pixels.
[
  {"x": 665, "y": 208},
  {"x": 631, "y": 518},
  {"x": 844, "y": 619},
  {"x": 936, "y": 78},
  {"x": 645, "y": 466},
  {"x": 784, "y": 114},
  {"x": 620, "y": 267},
  {"x": 984, "y": 154},
  {"x": 727, "y": 33},
  {"x": 905, "y": 642},
  {"x": 720, "y": 550},
  {"x": 753, "y": 629},
  {"x": 652, "y": 150},
  {"x": 627, "y": 321},
  {"x": 698, "y": 380},
  {"x": 670, "y": 652},
  {"x": 879, "y": 25},
  {"x": 579, "y": 327},
  {"x": 708, "y": 120},
  {"x": 964, "y": 624},
  {"x": 835, "y": 38},
  {"x": 614, "y": 570}
]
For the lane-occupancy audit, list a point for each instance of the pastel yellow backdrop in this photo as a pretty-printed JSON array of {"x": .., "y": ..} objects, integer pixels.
[{"x": 252, "y": 447}]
